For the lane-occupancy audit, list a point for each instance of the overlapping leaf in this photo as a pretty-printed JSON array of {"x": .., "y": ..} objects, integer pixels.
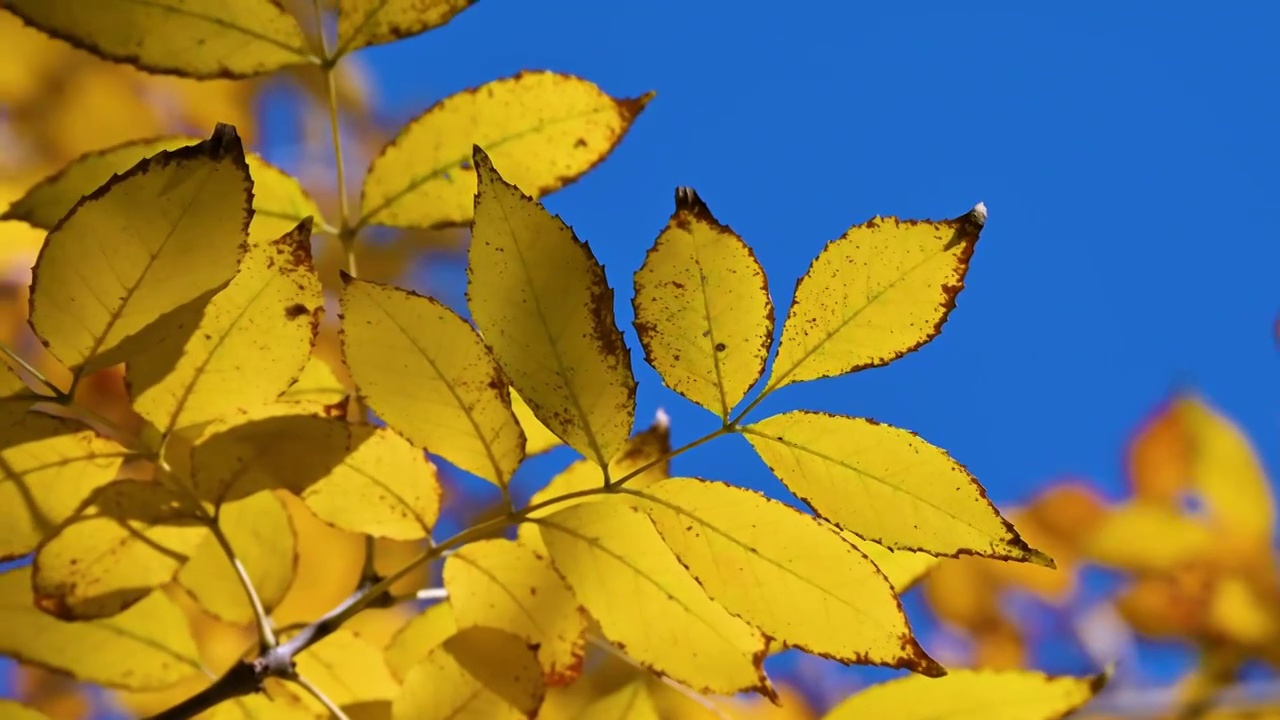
[
  {"x": 413, "y": 642},
  {"x": 882, "y": 290},
  {"x": 646, "y": 602},
  {"x": 886, "y": 485},
  {"x": 168, "y": 231},
  {"x": 477, "y": 673},
  {"x": 703, "y": 312},
  {"x": 427, "y": 373},
  {"x": 317, "y": 385},
  {"x": 195, "y": 38},
  {"x": 544, "y": 129},
  {"x": 971, "y": 695},
  {"x": 541, "y": 301},
  {"x": 537, "y": 438},
  {"x": 903, "y": 568},
  {"x": 373, "y": 22},
  {"x": 348, "y": 670}
]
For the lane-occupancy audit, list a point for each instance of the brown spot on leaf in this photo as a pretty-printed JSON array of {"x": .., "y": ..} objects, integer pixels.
[{"x": 295, "y": 311}]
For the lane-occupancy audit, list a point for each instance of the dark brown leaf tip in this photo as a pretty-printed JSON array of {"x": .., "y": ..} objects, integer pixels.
[
  {"x": 687, "y": 200},
  {"x": 225, "y": 141},
  {"x": 345, "y": 277}
]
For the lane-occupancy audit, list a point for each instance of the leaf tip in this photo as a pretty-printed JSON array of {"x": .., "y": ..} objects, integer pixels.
[
  {"x": 1037, "y": 557},
  {"x": 225, "y": 140},
  {"x": 346, "y": 277},
  {"x": 979, "y": 213}
]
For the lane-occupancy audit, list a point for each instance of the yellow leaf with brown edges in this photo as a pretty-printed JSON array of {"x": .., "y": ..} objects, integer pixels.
[
  {"x": 875, "y": 294},
  {"x": 885, "y": 484},
  {"x": 544, "y": 307},
  {"x": 503, "y": 584},
  {"x": 544, "y": 129},
  {"x": 478, "y": 673},
  {"x": 163, "y": 234},
  {"x": 971, "y": 695},
  {"x": 192, "y": 38},
  {"x": 154, "y": 635},
  {"x": 647, "y": 603},
  {"x": 374, "y": 22},
  {"x": 703, "y": 312},
  {"x": 426, "y": 372},
  {"x": 419, "y": 637},
  {"x": 784, "y": 572},
  {"x": 128, "y": 538}
]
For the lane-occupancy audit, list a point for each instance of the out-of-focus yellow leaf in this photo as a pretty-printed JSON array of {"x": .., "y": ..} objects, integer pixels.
[
  {"x": 784, "y": 572},
  {"x": 703, "y": 312},
  {"x": 127, "y": 539},
  {"x": 503, "y": 584},
  {"x": 261, "y": 535},
  {"x": 885, "y": 484},
  {"x": 478, "y": 673},
  {"x": 14, "y": 710},
  {"x": 194, "y": 38},
  {"x": 903, "y": 568},
  {"x": 645, "y": 454},
  {"x": 373, "y": 22},
  {"x": 329, "y": 565},
  {"x": 632, "y": 701},
  {"x": 1237, "y": 612},
  {"x": 543, "y": 128},
  {"x": 385, "y": 488},
  {"x": 646, "y": 602},
  {"x": 165, "y": 233},
  {"x": 541, "y": 300},
  {"x": 1146, "y": 537},
  {"x": 537, "y": 438},
  {"x": 880, "y": 291},
  {"x": 279, "y": 201},
  {"x": 419, "y": 637},
  {"x": 153, "y": 635},
  {"x": 259, "y": 331},
  {"x": 427, "y": 373},
  {"x": 1159, "y": 459},
  {"x": 971, "y": 695},
  {"x": 317, "y": 384},
  {"x": 347, "y": 669}
]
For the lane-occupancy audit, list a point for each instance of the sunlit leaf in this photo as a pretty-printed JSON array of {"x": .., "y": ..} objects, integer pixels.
[
  {"x": 427, "y": 373},
  {"x": 646, "y": 602},
  {"x": 478, "y": 674},
  {"x": 503, "y": 584},
  {"x": 373, "y": 22},
  {"x": 703, "y": 312},
  {"x": 153, "y": 635},
  {"x": 971, "y": 695},
  {"x": 127, "y": 539},
  {"x": 537, "y": 438},
  {"x": 784, "y": 572},
  {"x": 258, "y": 330},
  {"x": 886, "y": 485},
  {"x": 419, "y": 637},
  {"x": 195, "y": 38},
  {"x": 541, "y": 301},
  {"x": 347, "y": 669},
  {"x": 880, "y": 291},
  {"x": 544, "y": 129},
  {"x": 163, "y": 234},
  {"x": 262, "y": 537}
]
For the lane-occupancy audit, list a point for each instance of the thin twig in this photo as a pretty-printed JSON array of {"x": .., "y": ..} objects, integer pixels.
[
  {"x": 329, "y": 705},
  {"x": 58, "y": 393}
]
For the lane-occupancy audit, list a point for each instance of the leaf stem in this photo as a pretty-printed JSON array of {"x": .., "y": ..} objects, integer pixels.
[
  {"x": 329, "y": 705},
  {"x": 667, "y": 456},
  {"x": 266, "y": 635},
  {"x": 39, "y": 377}
]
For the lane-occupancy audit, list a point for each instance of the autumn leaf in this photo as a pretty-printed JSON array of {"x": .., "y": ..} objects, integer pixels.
[
  {"x": 971, "y": 695},
  {"x": 545, "y": 129},
  {"x": 703, "y": 312},
  {"x": 194, "y": 38},
  {"x": 477, "y": 673},
  {"x": 347, "y": 669},
  {"x": 537, "y": 438},
  {"x": 541, "y": 301},
  {"x": 419, "y": 637},
  {"x": 373, "y": 22},
  {"x": 886, "y": 485},
  {"x": 164, "y": 233},
  {"x": 427, "y": 373},
  {"x": 317, "y": 385},
  {"x": 903, "y": 568},
  {"x": 880, "y": 291}
]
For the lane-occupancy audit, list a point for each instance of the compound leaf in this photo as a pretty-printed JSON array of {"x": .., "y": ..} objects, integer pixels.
[
  {"x": 971, "y": 695},
  {"x": 541, "y": 301},
  {"x": 702, "y": 306},
  {"x": 886, "y": 485},
  {"x": 373, "y": 22},
  {"x": 545, "y": 128},
  {"x": 478, "y": 673}
]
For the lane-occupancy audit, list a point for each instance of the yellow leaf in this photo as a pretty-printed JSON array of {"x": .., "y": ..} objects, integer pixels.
[
  {"x": 347, "y": 669},
  {"x": 880, "y": 291},
  {"x": 478, "y": 674},
  {"x": 279, "y": 202},
  {"x": 537, "y": 438},
  {"x": 385, "y": 487},
  {"x": 885, "y": 484},
  {"x": 427, "y": 373},
  {"x": 129, "y": 538},
  {"x": 785, "y": 573},
  {"x": 14, "y": 710},
  {"x": 153, "y": 635},
  {"x": 503, "y": 584},
  {"x": 317, "y": 384},
  {"x": 166, "y": 232},
  {"x": 903, "y": 568},
  {"x": 647, "y": 603},
  {"x": 632, "y": 701},
  {"x": 541, "y": 301},
  {"x": 373, "y": 22},
  {"x": 1237, "y": 612},
  {"x": 645, "y": 455},
  {"x": 703, "y": 312},
  {"x": 258, "y": 330},
  {"x": 193, "y": 38},
  {"x": 545, "y": 128},
  {"x": 419, "y": 637},
  {"x": 971, "y": 695},
  {"x": 1145, "y": 537},
  {"x": 262, "y": 537},
  {"x": 1158, "y": 458}
]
